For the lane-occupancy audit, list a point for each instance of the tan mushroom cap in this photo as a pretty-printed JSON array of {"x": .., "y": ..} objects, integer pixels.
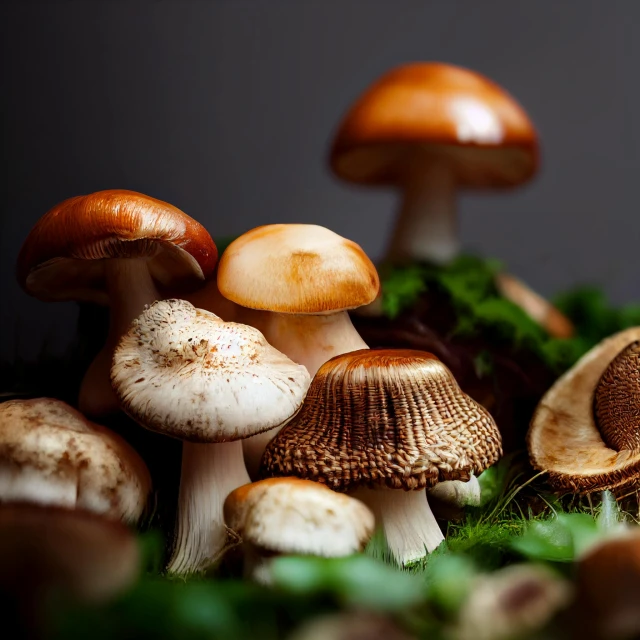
[
  {"x": 385, "y": 417},
  {"x": 289, "y": 515},
  {"x": 84, "y": 555},
  {"x": 585, "y": 431},
  {"x": 51, "y": 454},
  {"x": 186, "y": 373},
  {"x": 297, "y": 268},
  {"x": 445, "y": 112},
  {"x": 63, "y": 258}
]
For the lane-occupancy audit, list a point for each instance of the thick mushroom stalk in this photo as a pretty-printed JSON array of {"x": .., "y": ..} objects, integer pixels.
[
  {"x": 188, "y": 374},
  {"x": 209, "y": 473},
  {"x": 426, "y": 228},
  {"x": 130, "y": 288},
  {"x": 409, "y": 526}
]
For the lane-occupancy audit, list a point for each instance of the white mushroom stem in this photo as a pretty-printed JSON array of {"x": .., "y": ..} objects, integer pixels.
[
  {"x": 457, "y": 492},
  {"x": 408, "y": 524},
  {"x": 309, "y": 340},
  {"x": 256, "y": 566},
  {"x": 209, "y": 473},
  {"x": 426, "y": 228},
  {"x": 130, "y": 287}
]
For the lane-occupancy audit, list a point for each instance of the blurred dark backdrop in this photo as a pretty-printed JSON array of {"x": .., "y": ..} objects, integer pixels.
[{"x": 225, "y": 109}]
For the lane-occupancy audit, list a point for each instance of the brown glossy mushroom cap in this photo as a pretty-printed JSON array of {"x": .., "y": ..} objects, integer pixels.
[
  {"x": 384, "y": 417},
  {"x": 297, "y": 268},
  {"x": 51, "y": 454},
  {"x": 63, "y": 256},
  {"x": 50, "y": 548},
  {"x": 585, "y": 431},
  {"x": 445, "y": 112},
  {"x": 289, "y": 515}
]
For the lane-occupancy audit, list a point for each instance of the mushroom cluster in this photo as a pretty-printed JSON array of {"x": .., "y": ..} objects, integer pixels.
[{"x": 266, "y": 358}]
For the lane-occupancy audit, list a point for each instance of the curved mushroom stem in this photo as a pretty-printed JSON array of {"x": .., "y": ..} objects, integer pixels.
[
  {"x": 426, "y": 227},
  {"x": 409, "y": 526},
  {"x": 209, "y": 473},
  {"x": 130, "y": 288},
  {"x": 309, "y": 340},
  {"x": 457, "y": 493},
  {"x": 256, "y": 566}
]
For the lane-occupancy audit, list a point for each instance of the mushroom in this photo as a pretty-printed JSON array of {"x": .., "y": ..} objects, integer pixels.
[
  {"x": 296, "y": 283},
  {"x": 428, "y": 128},
  {"x": 50, "y": 454},
  {"x": 113, "y": 248},
  {"x": 584, "y": 432},
  {"x": 188, "y": 374},
  {"x": 47, "y": 551},
  {"x": 386, "y": 425},
  {"x": 611, "y": 567},
  {"x": 458, "y": 493},
  {"x": 549, "y": 317},
  {"x": 281, "y": 516}
]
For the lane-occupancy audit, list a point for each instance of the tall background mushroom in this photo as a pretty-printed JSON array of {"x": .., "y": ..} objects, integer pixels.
[
  {"x": 113, "y": 248},
  {"x": 429, "y": 129}
]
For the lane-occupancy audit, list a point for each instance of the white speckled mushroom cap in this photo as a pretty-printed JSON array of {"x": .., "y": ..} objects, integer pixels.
[
  {"x": 51, "y": 454},
  {"x": 289, "y": 515},
  {"x": 186, "y": 373}
]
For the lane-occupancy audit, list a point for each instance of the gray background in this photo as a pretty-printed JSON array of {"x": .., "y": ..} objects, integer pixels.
[{"x": 225, "y": 109}]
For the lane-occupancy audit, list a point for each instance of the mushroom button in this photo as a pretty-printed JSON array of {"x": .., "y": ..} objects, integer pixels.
[
  {"x": 188, "y": 374},
  {"x": 45, "y": 549},
  {"x": 386, "y": 425},
  {"x": 429, "y": 128},
  {"x": 303, "y": 279},
  {"x": 279, "y": 516},
  {"x": 113, "y": 248},
  {"x": 51, "y": 454},
  {"x": 585, "y": 431}
]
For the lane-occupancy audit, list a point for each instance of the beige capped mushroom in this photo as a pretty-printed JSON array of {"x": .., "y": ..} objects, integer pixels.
[
  {"x": 386, "y": 425},
  {"x": 50, "y": 454},
  {"x": 297, "y": 283},
  {"x": 280, "y": 516},
  {"x": 114, "y": 248},
  {"x": 585, "y": 432},
  {"x": 186, "y": 373},
  {"x": 430, "y": 128}
]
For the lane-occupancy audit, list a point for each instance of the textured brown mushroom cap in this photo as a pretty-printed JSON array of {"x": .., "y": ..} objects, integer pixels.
[
  {"x": 297, "y": 268},
  {"x": 63, "y": 256},
  {"x": 289, "y": 515},
  {"x": 51, "y": 454},
  {"x": 384, "y": 417},
  {"x": 86, "y": 556},
  {"x": 443, "y": 111},
  {"x": 564, "y": 438}
]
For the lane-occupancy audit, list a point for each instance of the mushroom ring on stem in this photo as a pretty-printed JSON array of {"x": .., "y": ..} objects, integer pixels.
[
  {"x": 585, "y": 431},
  {"x": 296, "y": 283},
  {"x": 186, "y": 373},
  {"x": 50, "y": 454},
  {"x": 113, "y": 248},
  {"x": 281, "y": 516},
  {"x": 386, "y": 425},
  {"x": 430, "y": 128}
]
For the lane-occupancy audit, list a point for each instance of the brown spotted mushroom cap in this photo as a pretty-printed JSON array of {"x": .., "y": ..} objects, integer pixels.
[
  {"x": 297, "y": 268},
  {"x": 289, "y": 515},
  {"x": 585, "y": 431},
  {"x": 384, "y": 417},
  {"x": 51, "y": 454},
  {"x": 63, "y": 258},
  {"x": 439, "y": 111},
  {"x": 186, "y": 373}
]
